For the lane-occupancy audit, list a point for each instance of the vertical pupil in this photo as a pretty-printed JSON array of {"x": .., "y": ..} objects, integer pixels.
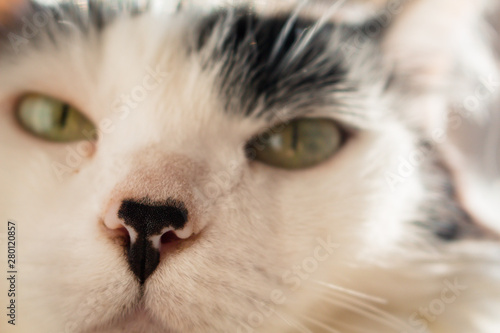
[
  {"x": 295, "y": 135},
  {"x": 64, "y": 115}
]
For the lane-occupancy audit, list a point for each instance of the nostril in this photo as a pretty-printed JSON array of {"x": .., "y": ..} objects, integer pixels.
[
  {"x": 169, "y": 237},
  {"x": 116, "y": 227},
  {"x": 148, "y": 230},
  {"x": 121, "y": 232},
  {"x": 120, "y": 236}
]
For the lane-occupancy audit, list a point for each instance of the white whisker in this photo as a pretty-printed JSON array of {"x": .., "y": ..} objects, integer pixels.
[
  {"x": 286, "y": 31},
  {"x": 292, "y": 322},
  {"x": 367, "y": 314},
  {"x": 352, "y": 292},
  {"x": 281, "y": 315},
  {"x": 309, "y": 35},
  {"x": 368, "y": 307},
  {"x": 320, "y": 324}
]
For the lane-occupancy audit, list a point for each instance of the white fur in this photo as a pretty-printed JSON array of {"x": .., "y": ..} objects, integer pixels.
[{"x": 255, "y": 223}]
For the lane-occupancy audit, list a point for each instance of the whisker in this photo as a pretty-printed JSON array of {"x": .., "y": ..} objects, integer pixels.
[
  {"x": 286, "y": 31},
  {"x": 319, "y": 324},
  {"x": 366, "y": 314},
  {"x": 352, "y": 329},
  {"x": 280, "y": 314},
  {"x": 352, "y": 292},
  {"x": 293, "y": 323},
  {"x": 310, "y": 33},
  {"x": 368, "y": 307}
]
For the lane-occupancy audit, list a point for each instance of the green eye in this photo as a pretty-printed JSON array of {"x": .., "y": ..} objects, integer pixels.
[
  {"x": 53, "y": 120},
  {"x": 299, "y": 144}
]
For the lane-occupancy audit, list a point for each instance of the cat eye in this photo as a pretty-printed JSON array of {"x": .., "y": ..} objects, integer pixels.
[
  {"x": 299, "y": 144},
  {"x": 52, "y": 119}
]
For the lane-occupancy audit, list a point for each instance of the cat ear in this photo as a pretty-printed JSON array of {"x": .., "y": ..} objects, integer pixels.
[
  {"x": 442, "y": 58},
  {"x": 439, "y": 53}
]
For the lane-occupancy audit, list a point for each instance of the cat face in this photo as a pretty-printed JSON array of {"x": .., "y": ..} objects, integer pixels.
[{"x": 172, "y": 212}]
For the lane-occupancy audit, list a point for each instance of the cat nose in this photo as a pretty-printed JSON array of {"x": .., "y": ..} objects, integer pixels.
[{"x": 149, "y": 225}]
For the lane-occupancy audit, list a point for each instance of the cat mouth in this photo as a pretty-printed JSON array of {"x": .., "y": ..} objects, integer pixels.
[{"x": 139, "y": 320}]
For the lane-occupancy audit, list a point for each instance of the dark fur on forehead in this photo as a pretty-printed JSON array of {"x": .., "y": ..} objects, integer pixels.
[
  {"x": 272, "y": 62},
  {"x": 263, "y": 63}
]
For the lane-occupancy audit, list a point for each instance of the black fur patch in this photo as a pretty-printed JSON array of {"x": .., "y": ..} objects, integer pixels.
[{"x": 271, "y": 62}]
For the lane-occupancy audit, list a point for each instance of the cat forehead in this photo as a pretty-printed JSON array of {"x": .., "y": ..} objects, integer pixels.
[{"x": 260, "y": 62}]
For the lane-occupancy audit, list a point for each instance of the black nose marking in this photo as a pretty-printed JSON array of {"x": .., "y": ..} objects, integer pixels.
[{"x": 149, "y": 219}]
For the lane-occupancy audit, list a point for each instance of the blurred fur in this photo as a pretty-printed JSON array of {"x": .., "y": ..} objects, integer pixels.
[{"x": 393, "y": 75}]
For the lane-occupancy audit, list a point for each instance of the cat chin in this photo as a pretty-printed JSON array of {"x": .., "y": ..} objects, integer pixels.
[{"x": 139, "y": 321}]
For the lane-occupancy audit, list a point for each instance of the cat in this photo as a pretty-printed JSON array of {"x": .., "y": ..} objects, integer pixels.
[{"x": 266, "y": 166}]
